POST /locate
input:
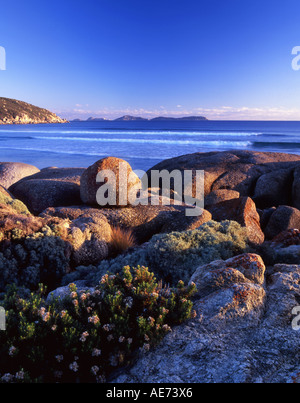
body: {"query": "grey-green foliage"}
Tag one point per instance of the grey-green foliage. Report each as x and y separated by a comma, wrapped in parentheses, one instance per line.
(15, 204)
(176, 255)
(38, 258)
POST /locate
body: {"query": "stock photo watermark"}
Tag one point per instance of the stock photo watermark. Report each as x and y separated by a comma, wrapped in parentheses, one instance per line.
(296, 319)
(296, 59)
(2, 58)
(181, 187)
(2, 319)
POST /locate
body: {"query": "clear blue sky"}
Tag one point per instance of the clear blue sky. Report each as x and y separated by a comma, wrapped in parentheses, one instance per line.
(224, 59)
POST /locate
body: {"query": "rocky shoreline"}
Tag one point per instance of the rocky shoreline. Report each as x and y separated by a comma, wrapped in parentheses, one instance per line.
(243, 254)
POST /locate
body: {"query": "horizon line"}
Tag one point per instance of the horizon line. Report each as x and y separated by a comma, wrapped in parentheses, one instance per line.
(94, 118)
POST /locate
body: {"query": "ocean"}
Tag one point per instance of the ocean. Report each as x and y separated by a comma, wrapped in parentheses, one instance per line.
(142, 143)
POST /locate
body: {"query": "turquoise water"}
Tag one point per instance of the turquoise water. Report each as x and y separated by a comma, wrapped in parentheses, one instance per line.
(142, 144)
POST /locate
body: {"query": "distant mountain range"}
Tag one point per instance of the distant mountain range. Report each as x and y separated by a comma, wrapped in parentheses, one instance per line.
(13, 111)
(127, 118)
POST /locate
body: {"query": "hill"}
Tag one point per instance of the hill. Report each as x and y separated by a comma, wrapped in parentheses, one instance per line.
(13, 111)
(129, 118)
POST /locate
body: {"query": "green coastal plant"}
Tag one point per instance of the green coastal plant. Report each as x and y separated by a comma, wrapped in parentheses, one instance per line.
(175, 255)
(15, 204)
(27, 261)
(87, 335)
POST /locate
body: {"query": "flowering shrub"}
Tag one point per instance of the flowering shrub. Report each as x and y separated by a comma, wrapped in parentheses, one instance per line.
(85, 336)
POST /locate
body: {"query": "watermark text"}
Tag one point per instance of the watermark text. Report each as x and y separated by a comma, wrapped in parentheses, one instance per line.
(2, 58)
(2, 318)
(165, 188)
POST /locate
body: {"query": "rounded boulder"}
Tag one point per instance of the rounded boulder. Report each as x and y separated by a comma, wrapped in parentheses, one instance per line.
(117, 178)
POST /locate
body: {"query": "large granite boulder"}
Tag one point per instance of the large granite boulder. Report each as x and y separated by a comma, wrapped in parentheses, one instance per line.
(220, 195)
(51, 187)
(242, 210)
(287, 238)
(232, 170)
(125, 181)
(274, 188)
(282, 219)
(90, 239)
(12, 172)
(296, 189)
(216, 275)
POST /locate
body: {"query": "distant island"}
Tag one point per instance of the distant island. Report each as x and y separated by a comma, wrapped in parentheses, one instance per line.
(13, 111)
(127, 118)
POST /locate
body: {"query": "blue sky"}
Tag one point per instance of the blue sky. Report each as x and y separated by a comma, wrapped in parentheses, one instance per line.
(222, 59)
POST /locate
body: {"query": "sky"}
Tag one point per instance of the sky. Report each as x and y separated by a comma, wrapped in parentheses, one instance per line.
(106, 58)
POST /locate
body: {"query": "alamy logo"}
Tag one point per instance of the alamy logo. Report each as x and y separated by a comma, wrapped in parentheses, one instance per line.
(166, 188)
(296, 59)
(2, 58)
(296, 319)
(2, 318)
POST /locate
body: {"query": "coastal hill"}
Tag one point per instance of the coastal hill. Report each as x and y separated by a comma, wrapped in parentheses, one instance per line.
(128, 118)
(13, 111)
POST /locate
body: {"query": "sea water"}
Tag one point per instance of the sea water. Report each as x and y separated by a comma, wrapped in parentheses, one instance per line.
(142, 143)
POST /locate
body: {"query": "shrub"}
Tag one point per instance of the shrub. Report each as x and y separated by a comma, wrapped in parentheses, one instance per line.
(40, 257)
(15, 204)
(175, 255)
(84, 337)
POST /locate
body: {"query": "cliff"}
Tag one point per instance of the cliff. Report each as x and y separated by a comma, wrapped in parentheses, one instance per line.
(18, 112)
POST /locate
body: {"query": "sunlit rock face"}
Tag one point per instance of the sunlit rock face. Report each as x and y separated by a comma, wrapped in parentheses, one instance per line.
(13, 111)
